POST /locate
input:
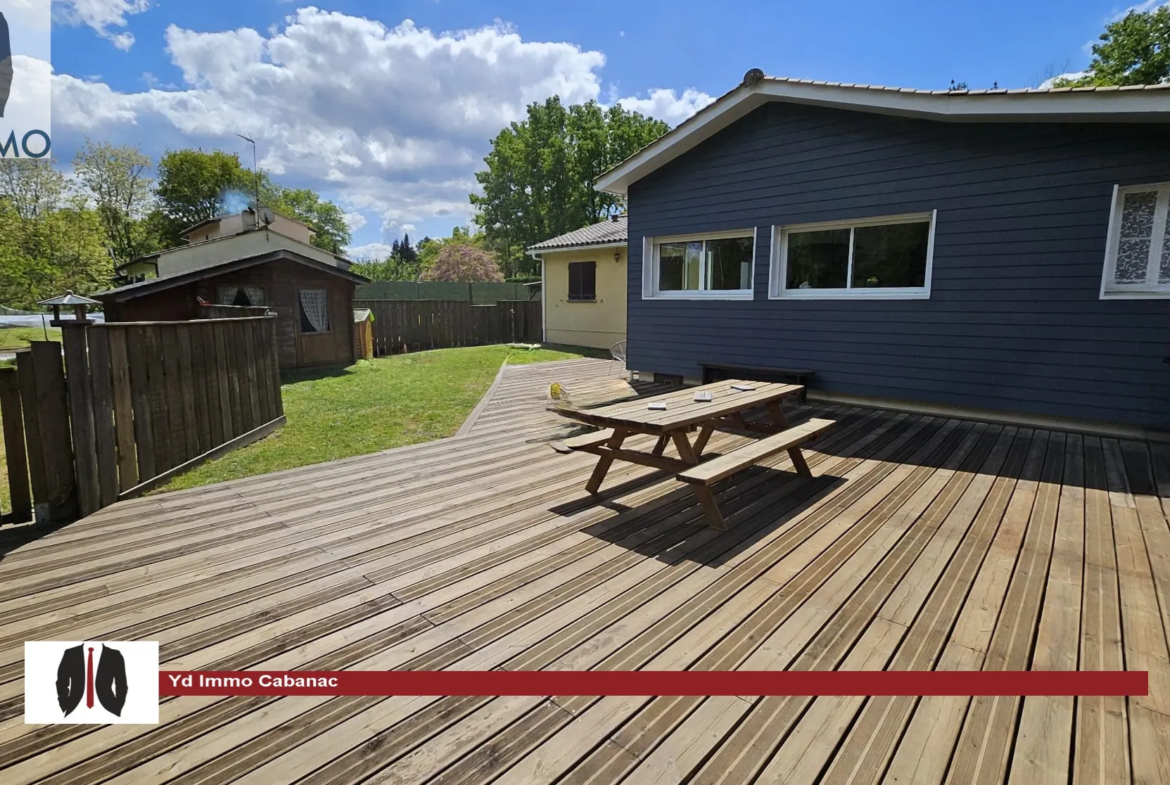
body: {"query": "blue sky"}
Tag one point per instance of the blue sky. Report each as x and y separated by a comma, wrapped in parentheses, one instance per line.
(391, 119)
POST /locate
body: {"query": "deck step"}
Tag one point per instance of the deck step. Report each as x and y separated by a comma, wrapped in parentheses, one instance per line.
(714, 470)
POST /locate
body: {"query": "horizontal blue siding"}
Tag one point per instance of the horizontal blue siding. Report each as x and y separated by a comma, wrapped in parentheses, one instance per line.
(1014, 322)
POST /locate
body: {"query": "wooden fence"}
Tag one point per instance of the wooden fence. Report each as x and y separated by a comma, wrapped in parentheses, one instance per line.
(133, 405)
(416, 325)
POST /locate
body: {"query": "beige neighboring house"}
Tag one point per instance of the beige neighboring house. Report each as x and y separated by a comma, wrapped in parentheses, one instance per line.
(583, 285)
(279, 230)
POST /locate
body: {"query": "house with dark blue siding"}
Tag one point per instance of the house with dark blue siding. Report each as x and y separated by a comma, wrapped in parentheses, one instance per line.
(1001, 254)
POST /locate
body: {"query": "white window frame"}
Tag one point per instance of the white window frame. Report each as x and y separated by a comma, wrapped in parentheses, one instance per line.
(650, 289)
(778, 273)
(1151, 289)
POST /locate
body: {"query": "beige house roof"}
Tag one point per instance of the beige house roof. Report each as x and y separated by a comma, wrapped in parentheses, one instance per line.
(611, 231)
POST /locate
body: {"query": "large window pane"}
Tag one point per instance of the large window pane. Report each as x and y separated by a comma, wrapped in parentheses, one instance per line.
(891, 256)
(679, 265)
(818, 260)
(729, 263)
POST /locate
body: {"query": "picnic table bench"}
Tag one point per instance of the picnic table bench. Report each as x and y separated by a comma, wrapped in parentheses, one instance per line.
(684, 414)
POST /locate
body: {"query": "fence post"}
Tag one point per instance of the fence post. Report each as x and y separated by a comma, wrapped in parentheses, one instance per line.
(77, 380)
(105, 438)
(270, 328)
(52, 418)
(14, 450)
(37, 476)
(124, 424)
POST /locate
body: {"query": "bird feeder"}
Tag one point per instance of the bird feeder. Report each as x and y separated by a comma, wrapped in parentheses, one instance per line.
(79, 304)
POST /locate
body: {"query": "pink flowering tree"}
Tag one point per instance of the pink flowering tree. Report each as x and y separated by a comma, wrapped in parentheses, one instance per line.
(463, 264)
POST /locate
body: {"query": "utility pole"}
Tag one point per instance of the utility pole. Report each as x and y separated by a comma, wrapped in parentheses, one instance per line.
(256, 176)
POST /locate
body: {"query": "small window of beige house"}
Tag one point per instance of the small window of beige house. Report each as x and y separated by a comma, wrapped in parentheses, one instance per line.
(314, 310)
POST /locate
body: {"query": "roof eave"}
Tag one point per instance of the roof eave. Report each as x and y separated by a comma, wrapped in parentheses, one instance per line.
(587, 247)
(998, 106)
(142, 288)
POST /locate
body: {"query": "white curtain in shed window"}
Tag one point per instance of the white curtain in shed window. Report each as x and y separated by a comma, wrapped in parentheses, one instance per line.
(255, 295)
(315, 306)
(227, 295)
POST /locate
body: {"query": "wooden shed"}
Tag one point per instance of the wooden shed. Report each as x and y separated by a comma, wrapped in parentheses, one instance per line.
(363, 334)
(312, 299)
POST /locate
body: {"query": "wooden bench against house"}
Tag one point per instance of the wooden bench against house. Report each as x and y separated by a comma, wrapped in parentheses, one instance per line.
(706, 474)
(715, 372)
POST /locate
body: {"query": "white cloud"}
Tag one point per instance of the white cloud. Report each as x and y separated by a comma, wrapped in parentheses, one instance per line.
(394, 120)
(1048, 83)
(101, 15)
(367, 251)
(355, 221)
(408, 228)
(1140, 8)
(666, 105)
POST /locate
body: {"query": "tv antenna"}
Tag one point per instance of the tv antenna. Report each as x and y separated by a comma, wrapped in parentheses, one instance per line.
(256, 176)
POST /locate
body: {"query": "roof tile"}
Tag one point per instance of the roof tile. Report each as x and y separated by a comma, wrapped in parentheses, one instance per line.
(605, 232)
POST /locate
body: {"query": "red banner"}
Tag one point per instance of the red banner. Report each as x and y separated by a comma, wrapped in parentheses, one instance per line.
(652, 683)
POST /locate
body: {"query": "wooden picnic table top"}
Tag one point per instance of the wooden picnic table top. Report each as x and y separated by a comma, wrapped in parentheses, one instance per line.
(682, 410)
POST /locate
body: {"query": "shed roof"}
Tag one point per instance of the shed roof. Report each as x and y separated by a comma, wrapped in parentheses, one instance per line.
(133, 290)
(611, 231)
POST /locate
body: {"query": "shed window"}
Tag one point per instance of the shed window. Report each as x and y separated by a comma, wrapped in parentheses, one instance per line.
(314, 310)
(1137, 256)
(582, 281)
(241, 295)
(878, 257)
(717, 265)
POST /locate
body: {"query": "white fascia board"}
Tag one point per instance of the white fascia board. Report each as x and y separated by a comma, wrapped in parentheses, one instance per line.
(542, 251)
(1005, 106)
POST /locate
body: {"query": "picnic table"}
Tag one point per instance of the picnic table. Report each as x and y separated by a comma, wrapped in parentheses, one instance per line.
(684, 414)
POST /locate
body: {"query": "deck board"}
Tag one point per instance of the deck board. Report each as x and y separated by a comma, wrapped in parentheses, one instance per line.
(922, 542)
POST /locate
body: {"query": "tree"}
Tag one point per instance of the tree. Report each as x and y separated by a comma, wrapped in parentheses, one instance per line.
(117, 181)
(406, 253)
(401, 265)
(31, 187)
(429, 249)
(463, 264)
(303, 204)
(60, 246)
(192, 185)
(1134, 50)
(540, 172)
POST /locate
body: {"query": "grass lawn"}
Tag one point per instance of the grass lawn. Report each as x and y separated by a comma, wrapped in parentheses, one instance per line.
(18, 337)
(371, 406)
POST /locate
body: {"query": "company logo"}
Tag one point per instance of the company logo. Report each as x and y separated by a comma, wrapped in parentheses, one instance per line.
(91, 682)
(25, 74)
(5, 63)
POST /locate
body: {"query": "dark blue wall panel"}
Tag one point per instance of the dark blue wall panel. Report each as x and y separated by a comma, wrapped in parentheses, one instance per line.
(1014, 321)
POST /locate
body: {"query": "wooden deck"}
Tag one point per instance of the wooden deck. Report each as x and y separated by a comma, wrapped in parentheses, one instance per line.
(922, 543)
